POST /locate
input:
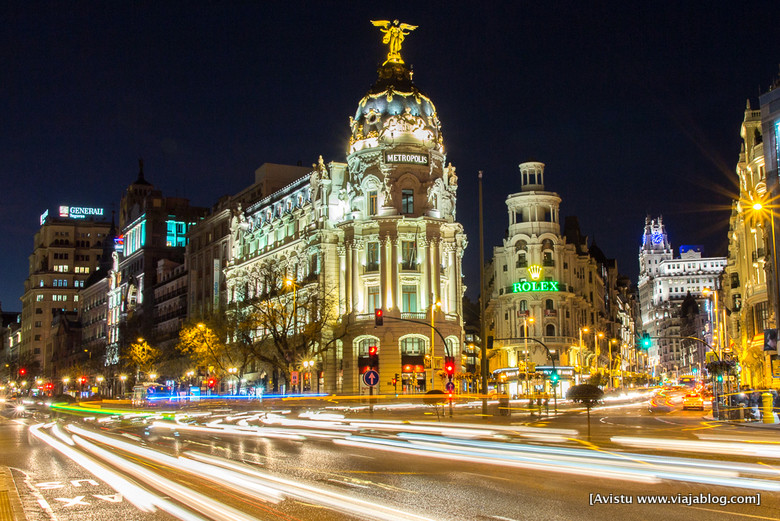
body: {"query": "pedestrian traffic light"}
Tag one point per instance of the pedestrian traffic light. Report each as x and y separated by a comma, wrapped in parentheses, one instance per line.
(645, 341)
(554, 378)
(373, 357)
(378, 317)
(449, 366)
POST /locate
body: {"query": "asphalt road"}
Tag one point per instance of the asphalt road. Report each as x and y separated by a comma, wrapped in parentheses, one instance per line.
(351, 468)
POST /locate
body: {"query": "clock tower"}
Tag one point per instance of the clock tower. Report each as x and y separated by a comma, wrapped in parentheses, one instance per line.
(655, 248)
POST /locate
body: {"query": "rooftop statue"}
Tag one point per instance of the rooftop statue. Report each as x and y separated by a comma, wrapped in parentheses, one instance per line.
(394, 36)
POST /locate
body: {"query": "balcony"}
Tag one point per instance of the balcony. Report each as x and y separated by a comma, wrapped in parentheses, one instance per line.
(414, 315)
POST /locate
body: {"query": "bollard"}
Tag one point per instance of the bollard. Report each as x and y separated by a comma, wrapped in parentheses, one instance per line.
(766, 409)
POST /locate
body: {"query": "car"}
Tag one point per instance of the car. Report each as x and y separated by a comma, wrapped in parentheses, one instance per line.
(693, 401)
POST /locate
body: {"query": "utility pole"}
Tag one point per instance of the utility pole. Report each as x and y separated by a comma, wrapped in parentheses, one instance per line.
(482, 303)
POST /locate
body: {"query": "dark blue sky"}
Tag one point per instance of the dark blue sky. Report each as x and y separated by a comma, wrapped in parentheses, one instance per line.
(635, 107)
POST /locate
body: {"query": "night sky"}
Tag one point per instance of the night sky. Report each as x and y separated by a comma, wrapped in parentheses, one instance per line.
(635, 108)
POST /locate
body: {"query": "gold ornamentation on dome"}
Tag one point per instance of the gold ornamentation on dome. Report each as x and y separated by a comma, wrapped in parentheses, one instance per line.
(535, 271)
(394, 36)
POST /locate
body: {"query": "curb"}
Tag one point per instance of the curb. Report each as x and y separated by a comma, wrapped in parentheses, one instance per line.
(754, 425)
(10, 502)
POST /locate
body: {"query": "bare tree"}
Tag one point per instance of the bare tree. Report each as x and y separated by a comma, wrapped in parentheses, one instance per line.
(289, 321)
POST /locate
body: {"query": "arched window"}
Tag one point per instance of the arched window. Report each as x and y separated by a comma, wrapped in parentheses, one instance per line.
(523, 305)
(413, 346)
(452, 346)
(364, 344)
(549, 330)
(548, 305)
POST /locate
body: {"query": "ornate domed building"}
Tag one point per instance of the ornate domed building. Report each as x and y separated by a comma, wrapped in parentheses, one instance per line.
(376, 232)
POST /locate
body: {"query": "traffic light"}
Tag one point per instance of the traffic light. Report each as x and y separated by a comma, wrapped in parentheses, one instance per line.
(378, 317)
(646, 342)
(212, 382)
(720, 378)
(373, 356)
(449, 366)
(394, 381)
(490, 342)
(554, 378)
(22, 371)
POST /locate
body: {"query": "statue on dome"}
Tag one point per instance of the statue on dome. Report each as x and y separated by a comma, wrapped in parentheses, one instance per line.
(394, 35)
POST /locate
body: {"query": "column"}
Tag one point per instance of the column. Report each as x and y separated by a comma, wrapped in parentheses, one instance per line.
(425, 291)
(435, 270)
(383, 260)
(394, 282)
(452, 275)
(355, 277)
(344, 286)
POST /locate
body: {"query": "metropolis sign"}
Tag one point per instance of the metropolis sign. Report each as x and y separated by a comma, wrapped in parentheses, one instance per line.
(542, 285)
(409, 159)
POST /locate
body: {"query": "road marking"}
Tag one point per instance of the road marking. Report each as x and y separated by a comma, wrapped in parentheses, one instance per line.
(706, 426)
(77, 482)
(69, 502)
(111, 498)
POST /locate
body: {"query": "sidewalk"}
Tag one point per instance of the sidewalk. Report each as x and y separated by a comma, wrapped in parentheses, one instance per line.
(742, 423)
(10, 502)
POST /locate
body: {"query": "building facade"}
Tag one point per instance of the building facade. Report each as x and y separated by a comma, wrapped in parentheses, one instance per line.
(378, 231)
(67, 249)
(551, 296)
(664, 282)
(748, 280)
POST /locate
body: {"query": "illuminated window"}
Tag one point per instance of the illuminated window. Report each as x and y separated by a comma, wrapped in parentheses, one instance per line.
(409, 298)
(407, 201)
(372, 256)
(408, 255)
(372, 203)
(374, 300)
(175, 234)
(38, 298)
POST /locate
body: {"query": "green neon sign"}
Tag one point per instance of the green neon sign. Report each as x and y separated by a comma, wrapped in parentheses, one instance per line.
(542, 285)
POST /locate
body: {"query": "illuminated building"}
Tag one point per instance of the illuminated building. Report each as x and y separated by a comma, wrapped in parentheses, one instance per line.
(375, 232)
(67, 249)
(748, 278)
(554, 284)
(209, 247)
(770, 132)
(664, 282)
(152, 228)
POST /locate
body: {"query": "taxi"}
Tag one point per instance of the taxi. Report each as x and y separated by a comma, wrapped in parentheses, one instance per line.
(693, 401)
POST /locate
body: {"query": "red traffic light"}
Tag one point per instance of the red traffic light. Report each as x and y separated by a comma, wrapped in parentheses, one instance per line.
(212, 382)
(373, 350)
(22, 371)
(378, 317)
(449, 366)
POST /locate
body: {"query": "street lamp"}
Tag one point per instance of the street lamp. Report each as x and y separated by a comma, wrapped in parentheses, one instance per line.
(434, 306)
(611, 379)
(527, 319)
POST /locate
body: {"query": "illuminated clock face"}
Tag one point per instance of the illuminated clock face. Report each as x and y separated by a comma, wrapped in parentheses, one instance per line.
(657, 238)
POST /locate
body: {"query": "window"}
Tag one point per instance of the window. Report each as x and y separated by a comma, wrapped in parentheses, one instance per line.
(408, 255)
(550, 330)
(38, 298)
(372, 256)
(38, 323)
(548, 305)
(364, 344)
(414, 346)
(523, 305)
(374, 300)
(407, 201)
(372, 202)
(409, 298)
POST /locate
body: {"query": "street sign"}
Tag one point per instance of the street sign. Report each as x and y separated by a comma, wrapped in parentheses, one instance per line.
(371, 378)
(449, 387)
(294, 378)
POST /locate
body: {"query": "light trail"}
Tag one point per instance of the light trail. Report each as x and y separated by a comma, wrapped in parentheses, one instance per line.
(720, 447)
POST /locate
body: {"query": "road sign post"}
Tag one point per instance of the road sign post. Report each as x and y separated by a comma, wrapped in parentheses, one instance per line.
(371, 378)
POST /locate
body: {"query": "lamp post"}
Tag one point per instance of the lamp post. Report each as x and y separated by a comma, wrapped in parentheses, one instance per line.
(611, 379)
(527, 319)
(434, 307)
(583, 329)
(596, 349)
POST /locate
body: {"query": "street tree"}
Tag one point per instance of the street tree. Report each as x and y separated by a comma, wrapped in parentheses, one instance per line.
(223, 343)
(143, 356)
(290, 321)
(586, 394)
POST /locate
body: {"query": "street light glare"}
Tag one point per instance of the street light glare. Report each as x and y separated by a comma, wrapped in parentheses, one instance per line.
(758, 206)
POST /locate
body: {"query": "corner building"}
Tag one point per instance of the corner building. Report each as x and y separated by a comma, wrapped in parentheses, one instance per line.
(377, 232)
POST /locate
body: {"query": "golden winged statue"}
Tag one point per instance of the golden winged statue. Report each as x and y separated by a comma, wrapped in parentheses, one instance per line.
(394, 36)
